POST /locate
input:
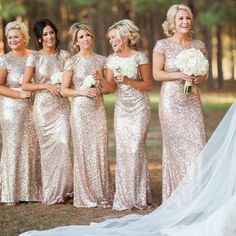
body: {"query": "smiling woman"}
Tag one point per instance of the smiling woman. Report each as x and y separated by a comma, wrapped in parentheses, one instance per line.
(51, 113)
(92, 186)
(20, 159)
(129, 71)
(181, 114)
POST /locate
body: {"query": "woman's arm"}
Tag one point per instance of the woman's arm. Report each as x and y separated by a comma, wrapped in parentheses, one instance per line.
(108, 84)
(146, 83)
(67, 91)
(161, 75)
(7, 92)
(29, 86)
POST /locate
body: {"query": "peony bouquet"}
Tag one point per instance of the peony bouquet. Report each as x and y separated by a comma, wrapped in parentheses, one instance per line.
(123, 67)
(191, 62)
(89, 82)
(56, 78)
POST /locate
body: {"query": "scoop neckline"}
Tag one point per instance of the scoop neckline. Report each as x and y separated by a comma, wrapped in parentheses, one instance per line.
(50, 55)
(127, 56)
(187, 45)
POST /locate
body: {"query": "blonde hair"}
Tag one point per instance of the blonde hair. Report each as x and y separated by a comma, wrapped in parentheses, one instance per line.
(169, 24)
(16, 25)
(126, 29)
(74, 29)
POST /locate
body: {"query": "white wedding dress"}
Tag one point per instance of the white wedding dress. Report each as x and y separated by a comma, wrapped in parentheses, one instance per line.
(204, 204)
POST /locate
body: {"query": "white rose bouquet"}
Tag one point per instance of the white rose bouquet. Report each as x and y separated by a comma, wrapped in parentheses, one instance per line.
(122, 67)
(56, 78)
(89, 82)
(191, 62)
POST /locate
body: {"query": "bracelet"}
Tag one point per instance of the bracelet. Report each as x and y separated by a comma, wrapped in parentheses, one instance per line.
(37, 87)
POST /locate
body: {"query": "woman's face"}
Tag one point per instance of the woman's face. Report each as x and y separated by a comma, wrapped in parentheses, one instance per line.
(84, 40)
(48, 37)
(183, 22)
(15, 39)
(116, 42)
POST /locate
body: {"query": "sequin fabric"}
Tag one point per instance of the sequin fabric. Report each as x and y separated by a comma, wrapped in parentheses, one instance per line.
(20, 159)
(92, 186)
(181, 119)
(51, 117)
(131, 122)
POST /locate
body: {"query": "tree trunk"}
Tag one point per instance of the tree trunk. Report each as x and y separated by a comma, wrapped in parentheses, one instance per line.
(219, 56)
(209, 49)
(232, 48)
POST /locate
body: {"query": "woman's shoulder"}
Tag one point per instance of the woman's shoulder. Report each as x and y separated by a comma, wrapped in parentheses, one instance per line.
(161, 45)
(3, 61)
(64, 52)
(141, 57)
(198, 42)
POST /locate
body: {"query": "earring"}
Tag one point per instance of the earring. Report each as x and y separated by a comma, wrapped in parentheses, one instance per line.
(40, 41)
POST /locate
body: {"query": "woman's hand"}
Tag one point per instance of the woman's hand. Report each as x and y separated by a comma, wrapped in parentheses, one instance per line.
(97, 75)
(198, 79)
(90, 92)
(184, 77)
(24, 94)
(53, 89)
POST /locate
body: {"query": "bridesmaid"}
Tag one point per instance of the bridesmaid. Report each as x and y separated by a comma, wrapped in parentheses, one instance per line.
(181, 114)
(132, 115)
(88, 121)
(20, 160)
(51, 113)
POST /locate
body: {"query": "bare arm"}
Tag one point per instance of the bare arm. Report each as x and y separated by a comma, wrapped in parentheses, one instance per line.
(161, 75)
(29, 86)
(158, 69)
(7, 92)
(67, 91)
(146, 83)
(106, 79)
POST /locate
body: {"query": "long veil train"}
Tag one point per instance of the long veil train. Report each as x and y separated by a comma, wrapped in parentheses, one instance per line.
(203, 204)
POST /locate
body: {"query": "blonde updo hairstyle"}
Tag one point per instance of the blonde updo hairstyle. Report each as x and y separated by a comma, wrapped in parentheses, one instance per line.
(126, 29)
(169, 24)
(16, 25)
(74, 29)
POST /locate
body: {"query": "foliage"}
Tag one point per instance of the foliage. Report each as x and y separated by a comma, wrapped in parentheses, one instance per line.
(11, 8)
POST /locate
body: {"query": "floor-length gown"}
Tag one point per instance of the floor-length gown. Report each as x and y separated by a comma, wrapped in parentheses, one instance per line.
(51, 117)
(20, 159)
(204, 203)
(131, 122)
(92, 186)
(181, 119)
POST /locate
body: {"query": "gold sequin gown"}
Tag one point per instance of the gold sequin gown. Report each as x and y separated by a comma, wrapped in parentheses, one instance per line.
(90, 138)
(181, 119)
(131, 122)
(20, 159)
(51, 117)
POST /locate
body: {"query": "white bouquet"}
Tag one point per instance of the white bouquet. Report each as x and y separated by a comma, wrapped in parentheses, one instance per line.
(123, 67)
(89, 82)
(56, 78)
(191, 62)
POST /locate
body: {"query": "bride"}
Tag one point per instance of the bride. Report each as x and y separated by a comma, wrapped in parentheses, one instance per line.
(203, 204)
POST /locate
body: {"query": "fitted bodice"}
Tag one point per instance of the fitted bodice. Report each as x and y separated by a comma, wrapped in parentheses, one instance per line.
(15, 66)
(46, 65)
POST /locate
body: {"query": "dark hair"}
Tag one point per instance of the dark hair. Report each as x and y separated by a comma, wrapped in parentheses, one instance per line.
(38, 30)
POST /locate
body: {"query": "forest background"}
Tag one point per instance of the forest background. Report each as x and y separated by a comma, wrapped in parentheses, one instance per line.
(215, 24)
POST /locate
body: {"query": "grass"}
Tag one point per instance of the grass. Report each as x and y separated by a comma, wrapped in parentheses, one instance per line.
(27, 216)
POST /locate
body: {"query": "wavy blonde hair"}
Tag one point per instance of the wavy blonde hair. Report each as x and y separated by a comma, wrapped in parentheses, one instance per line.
(74, 29)
(126, 29)
(169, 24)
(16, 25)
